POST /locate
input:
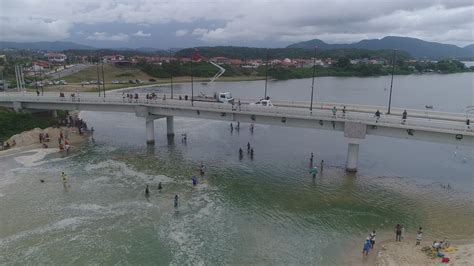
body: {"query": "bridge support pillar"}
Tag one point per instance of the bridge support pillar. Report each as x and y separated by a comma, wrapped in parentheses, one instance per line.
(54, 114)
(355, 132)
(352, 157)
(170, 126)
(150, 131)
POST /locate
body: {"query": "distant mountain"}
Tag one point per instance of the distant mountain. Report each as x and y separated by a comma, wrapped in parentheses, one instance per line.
(415, 47)
(470, 50)
(46, 46)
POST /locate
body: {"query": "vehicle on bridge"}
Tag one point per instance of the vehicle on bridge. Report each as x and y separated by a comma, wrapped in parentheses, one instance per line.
(263, 103)
(222, 97)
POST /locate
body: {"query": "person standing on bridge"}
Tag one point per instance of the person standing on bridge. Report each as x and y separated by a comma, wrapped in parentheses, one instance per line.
(239, 104)
(468, 123)
(334, 111)
(377, 115)
(344, 111)
(404, 116)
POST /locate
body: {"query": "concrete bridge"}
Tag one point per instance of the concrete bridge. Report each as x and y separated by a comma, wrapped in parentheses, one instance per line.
(356, 123)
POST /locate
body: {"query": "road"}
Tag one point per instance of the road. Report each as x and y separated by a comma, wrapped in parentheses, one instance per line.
(69, 71)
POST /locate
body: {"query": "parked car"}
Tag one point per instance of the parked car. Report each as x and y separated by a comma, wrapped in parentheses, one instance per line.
(263, 103)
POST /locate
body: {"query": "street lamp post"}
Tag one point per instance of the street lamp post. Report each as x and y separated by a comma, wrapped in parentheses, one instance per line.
(312, 83)
(391, 82)
(98, 78)
(103, 77)
(192, 81)
(266, 76)
(171, 74)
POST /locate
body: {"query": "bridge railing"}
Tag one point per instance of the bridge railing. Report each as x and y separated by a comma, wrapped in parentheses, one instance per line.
(323, 114)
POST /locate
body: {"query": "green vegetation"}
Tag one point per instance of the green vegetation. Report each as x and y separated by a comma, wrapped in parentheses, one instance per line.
(281, 53)
(13, 123)
(111, 73)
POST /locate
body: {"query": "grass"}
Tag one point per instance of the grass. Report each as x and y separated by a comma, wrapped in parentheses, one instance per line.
(111, 73)
(13, 123)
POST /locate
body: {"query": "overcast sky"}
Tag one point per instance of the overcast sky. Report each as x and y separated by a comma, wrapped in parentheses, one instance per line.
(261, 23)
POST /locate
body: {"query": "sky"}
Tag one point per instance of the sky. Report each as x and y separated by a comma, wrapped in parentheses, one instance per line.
(259, 23)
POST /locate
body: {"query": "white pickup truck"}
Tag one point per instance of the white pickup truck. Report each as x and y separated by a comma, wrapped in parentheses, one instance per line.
(222, 97)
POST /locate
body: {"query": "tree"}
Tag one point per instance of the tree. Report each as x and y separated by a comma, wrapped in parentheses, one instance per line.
(343, 62)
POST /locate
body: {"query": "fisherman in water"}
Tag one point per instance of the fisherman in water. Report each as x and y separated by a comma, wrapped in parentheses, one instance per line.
(176, 201)
(147, 191)
(202, 169)
(195, 182)
(314, 171)
(64, 177)
(160, 187)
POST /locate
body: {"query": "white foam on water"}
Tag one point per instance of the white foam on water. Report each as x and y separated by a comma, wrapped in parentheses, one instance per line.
(186, 234)
(33, 160)
(68, 223)
(121, 169)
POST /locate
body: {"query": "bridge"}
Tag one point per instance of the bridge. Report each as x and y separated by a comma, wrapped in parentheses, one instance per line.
(357, 122)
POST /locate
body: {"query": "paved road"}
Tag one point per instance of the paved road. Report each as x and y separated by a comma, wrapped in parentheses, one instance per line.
(66, 72)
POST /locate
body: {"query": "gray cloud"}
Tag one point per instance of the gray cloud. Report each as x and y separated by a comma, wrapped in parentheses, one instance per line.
(246, 22)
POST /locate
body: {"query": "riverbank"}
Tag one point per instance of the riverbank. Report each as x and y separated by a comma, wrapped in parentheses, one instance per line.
(29, 140)
(406, 253)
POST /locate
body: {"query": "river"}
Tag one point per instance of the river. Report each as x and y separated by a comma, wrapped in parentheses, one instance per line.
(260, 210)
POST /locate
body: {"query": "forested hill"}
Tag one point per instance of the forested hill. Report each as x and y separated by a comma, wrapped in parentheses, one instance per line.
(415, 47)
(281, 53)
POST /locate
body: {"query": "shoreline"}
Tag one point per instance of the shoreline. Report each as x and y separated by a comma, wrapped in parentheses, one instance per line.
(29, 140)
(387, 251)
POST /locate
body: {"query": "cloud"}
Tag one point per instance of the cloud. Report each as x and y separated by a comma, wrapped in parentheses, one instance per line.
(103, 36)
(200, 32)
(180, 33)
(141, 34)
(247, 21)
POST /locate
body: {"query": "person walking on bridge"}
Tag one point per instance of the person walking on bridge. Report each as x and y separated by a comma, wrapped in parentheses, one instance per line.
(377, 115)
(404, 116)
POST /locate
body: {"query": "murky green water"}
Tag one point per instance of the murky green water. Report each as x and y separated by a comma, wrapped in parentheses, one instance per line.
(265, 210)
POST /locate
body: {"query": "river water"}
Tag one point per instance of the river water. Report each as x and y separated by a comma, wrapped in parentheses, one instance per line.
(260, 210)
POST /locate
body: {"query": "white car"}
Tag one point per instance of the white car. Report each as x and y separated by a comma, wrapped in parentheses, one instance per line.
(263, 103)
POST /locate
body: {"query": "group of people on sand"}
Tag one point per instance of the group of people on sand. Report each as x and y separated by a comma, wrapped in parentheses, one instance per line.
(7, 145)
(314, 169)
(399, 233)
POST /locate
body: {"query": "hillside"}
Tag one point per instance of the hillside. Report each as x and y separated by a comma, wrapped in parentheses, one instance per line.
(415, 47)
(281, 53)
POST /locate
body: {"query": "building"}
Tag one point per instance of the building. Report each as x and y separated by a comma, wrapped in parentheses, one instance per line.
(40, 65)
(220, 60)
(113, 58)
(56, 57)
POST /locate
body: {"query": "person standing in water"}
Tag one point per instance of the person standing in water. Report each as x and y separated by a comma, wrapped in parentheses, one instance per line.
(251, 153)
(314, 171)
(241, 153)
(147, 191)
(248, 147)
(160, 187)
(321, 167)
(202, 169)
(176, 198)
(311, 158)
(365, 250)
(231, 127)
(194, 180)
(372, 239)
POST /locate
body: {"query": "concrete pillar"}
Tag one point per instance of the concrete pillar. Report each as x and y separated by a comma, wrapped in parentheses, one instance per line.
(170, 126)
(54, 114)
(150, 131)
(352, 157)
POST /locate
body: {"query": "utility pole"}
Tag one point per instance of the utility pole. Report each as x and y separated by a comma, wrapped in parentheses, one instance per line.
(266, 76)
(171, 74)
(391, 82)
(312, 84)
(98, 78)
(192, 82)
(103, 77)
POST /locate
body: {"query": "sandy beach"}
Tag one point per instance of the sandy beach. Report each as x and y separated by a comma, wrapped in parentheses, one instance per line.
(406, 253)
(29, 140)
